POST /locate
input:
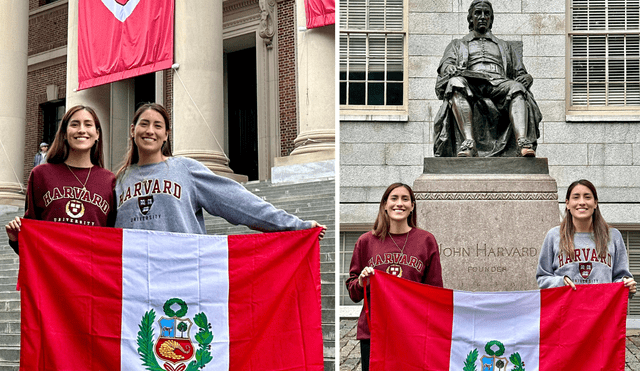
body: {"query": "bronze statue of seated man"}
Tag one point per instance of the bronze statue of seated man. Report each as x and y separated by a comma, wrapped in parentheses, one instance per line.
(487, 107)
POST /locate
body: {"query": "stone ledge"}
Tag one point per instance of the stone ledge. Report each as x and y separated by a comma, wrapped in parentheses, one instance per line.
(486, 165)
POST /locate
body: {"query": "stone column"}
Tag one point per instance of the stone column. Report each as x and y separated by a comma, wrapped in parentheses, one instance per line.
(316, 87)
(98, 98)
(14, 26)
(199, 53)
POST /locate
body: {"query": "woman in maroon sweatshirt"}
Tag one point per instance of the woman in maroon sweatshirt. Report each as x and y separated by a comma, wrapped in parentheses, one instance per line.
(395, 245)
(72, 186)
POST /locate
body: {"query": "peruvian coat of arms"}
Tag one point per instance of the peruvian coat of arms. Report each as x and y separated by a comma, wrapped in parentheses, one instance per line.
(493, 360)
(174, 345)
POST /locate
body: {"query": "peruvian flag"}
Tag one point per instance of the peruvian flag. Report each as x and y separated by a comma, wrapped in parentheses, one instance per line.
(98, 298)
(420, 327)
(119, 39)
(320, 12)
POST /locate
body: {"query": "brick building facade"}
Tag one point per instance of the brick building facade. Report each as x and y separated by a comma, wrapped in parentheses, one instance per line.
(287, 77)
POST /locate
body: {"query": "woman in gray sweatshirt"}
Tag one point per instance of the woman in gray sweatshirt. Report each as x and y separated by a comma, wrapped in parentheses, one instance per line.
(583, 249)
(156, 191)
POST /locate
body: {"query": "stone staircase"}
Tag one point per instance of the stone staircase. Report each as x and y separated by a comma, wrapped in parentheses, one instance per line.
(309, 201)
(9, 297)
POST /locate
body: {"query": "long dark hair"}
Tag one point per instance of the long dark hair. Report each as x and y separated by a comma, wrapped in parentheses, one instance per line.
(600, 227)
(381, 225)
(472, 7)
(132, 156)
(59, 151)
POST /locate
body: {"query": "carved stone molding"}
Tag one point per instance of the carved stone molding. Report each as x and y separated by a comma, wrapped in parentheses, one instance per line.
(237, 5)
(241, 21)
(486, 196)
(267, 27)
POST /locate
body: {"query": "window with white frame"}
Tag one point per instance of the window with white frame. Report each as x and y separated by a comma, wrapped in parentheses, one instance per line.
(604, 38)
(372, 53)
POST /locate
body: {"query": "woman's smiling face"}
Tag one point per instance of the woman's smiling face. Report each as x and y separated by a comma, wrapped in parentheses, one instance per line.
(399, 205)
(581, 203)
(150, 133)
(81, 131)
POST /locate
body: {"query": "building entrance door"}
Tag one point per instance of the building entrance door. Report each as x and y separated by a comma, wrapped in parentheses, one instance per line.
(242, 112)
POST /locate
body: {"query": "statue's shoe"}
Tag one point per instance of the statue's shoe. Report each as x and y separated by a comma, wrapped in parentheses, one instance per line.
(468, 149)
(526, 147)
(526, 152)
(466, 153)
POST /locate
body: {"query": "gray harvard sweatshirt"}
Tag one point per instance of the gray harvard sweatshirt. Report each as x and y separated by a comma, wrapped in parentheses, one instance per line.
(170, 196)
(585, 266)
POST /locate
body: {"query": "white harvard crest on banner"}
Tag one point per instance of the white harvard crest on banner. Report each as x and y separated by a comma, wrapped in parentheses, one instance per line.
(121, 9)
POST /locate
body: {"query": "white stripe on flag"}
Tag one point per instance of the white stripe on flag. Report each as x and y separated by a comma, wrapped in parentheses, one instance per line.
(512, 318)
(158, 266)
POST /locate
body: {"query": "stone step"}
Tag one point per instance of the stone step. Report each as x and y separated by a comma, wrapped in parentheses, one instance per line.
(297, 208)
(315, 200)
(11, 327)
(10, 366)
(303, 212)
(10, 305)
(9, 354)
(12, 273)
(12, 340)
(10, 255)
(288, 189)
(10, 316)
(326, 216)
(9, 280)
(316, 204)
(296, 199)
(9, 267)
(7, 251)
(13, 294)
(218, 223)
(8, 287)
(276, 194)
(9, 260)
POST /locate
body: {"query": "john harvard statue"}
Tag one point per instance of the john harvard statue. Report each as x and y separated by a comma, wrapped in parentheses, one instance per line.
(487, 107)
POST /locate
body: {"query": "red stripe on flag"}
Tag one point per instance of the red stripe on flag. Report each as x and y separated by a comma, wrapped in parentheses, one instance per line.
(401, 328)
(583, 329)
(275, 332)
(81, 331)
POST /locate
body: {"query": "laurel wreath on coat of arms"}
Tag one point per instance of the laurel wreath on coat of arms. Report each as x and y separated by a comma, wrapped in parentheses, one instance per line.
(472, 357)
(146, 336)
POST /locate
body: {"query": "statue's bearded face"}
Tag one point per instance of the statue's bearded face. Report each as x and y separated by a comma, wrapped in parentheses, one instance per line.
(482, 17)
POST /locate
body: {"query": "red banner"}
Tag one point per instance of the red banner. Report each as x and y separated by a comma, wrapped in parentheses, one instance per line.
(119, 39)
(320, 12)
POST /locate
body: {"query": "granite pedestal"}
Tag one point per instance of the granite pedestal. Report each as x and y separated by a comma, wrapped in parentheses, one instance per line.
(489, 216)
